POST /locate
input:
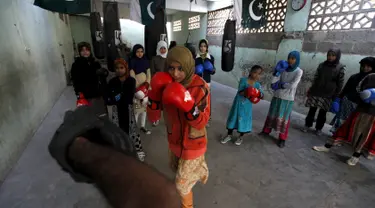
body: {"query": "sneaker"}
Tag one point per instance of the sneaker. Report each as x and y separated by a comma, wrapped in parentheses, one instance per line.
(226, 139)
(156, 123)
(352, 161)
(208, 125)
(369, 156)
(333, 130)
(146, 131)
(141, 156)
(239, 141)
(321, 148)
(305, 129)
(318, 132)
(281, 143)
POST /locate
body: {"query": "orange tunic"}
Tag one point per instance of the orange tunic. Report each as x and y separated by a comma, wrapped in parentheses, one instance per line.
(188, 138)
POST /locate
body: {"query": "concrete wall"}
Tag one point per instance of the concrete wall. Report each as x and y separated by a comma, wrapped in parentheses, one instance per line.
(182, 35)
(265, 49)
(36, 52)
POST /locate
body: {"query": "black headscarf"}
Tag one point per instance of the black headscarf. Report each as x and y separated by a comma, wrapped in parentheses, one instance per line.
(370, 61)
(337, 52)
(139, 65)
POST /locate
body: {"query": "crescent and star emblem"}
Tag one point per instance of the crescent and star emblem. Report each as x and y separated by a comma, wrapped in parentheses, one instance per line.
(149, 10)
(251, 11)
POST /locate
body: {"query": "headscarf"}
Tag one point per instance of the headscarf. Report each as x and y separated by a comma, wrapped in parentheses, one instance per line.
(183, 56)
(370, 61)
(337, 52)
(296, 55)
(88, 46)
(172, 44)
(203, 55)
(162, 44)
(139, 65)
(125, 64)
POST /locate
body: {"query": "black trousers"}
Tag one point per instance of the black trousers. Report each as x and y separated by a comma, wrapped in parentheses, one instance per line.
(320, 121)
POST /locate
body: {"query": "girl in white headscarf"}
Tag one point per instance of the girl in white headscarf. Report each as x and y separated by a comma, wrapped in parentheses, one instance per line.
(158, 61)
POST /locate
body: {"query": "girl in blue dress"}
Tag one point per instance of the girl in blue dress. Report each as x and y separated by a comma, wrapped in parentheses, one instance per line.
(240, 116)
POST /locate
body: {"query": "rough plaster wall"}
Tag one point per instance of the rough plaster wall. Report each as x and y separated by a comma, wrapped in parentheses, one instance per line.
(182, 35)
(80, 27)
(32, 72)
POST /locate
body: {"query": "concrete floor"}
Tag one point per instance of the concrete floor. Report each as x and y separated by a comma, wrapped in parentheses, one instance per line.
(256, 174)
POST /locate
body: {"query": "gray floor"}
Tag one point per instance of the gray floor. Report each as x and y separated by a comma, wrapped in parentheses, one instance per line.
(256, 174)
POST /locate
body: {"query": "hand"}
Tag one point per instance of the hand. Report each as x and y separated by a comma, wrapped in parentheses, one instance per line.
(158, 83)
(252, 92)
(199, 69)
(85, 122)
(285, 86)
(335, 107)
(175, 94)
(281, 66)
(276, 86)
(118, 97)
(368, 95)
(207, 65)
(254, 100)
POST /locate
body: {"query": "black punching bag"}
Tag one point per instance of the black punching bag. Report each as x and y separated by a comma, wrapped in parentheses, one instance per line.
(96, 28)
(229, 45)
(112, 32)
(153, 32)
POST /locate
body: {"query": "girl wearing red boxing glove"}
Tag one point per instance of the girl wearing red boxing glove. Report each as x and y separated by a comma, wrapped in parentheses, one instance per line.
(240, 116)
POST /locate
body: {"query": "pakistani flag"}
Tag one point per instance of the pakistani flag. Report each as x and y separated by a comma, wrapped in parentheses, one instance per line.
(253, 13)
(149, 8)
(65, 6)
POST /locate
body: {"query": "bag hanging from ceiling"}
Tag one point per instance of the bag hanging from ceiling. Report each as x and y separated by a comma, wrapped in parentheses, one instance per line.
(229, 45)
(64, 6)
(112, 32)
(154, 33)
(97, 38)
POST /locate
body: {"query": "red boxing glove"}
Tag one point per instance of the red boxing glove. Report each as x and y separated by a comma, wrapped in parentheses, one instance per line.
(142, 91)
(81, 101)
(175, 94)
(158, 83)
(252, 92)
(254, 100)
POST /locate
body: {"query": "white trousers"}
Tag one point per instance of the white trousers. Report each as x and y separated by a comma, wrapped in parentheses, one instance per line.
(140, 118)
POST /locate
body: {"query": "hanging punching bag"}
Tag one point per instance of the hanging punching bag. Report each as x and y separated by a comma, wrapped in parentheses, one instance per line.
(112, 32)
(96, 28)
(229, 45)
(153, 33)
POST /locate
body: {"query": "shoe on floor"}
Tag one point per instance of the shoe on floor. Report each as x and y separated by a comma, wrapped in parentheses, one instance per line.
(156, 123)
(321, 148)
(146, 131)
(226, 139)
(305, 129)
(208, 125)
(352, 161)
(239, 141)
(141, 156)
(281, 143)
(318, 132)
(369, 156)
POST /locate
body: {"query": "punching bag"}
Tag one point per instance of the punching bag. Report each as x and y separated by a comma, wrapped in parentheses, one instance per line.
(96, 28)
(229, 45)
(153, 33)
(112, 32)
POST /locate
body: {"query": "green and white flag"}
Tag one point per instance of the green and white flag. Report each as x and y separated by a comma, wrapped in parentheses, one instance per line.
(149, 8)
(254, 13)
(65, 6)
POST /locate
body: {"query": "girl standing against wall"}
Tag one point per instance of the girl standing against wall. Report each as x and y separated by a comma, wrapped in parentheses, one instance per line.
(327, 84)
(285, 87)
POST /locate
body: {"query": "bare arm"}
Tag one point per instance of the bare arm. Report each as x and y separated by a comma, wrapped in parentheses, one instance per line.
(125, 181)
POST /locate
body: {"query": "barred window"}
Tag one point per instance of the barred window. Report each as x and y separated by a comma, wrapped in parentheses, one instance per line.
(177, 26)
(275, 14)
(341, 15)
(194, 22)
